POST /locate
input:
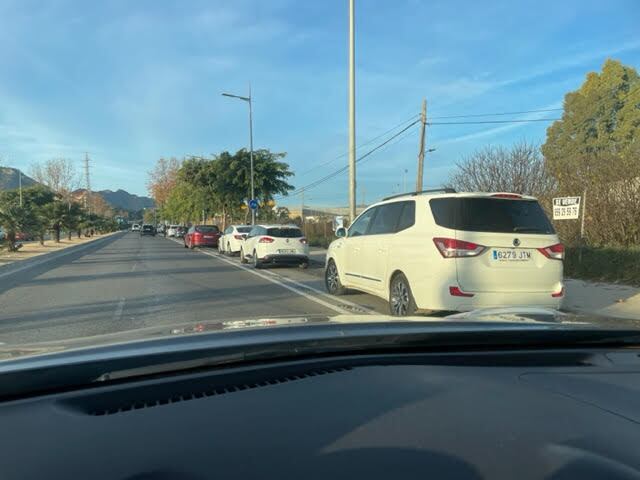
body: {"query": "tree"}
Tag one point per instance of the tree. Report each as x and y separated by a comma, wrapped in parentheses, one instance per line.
(518, 169)
(595, 148)
(29, 217)
(223, 183)
(59, 174)
(162, 179)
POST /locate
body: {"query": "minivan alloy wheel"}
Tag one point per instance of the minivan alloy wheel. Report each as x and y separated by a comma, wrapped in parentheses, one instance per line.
(401, 301)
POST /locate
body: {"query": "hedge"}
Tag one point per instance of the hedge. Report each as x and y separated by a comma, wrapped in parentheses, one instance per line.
(606, 264)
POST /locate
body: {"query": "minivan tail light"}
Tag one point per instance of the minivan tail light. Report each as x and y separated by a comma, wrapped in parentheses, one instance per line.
(266, 240)
(303, 240)
(555, 252)
(452, 248)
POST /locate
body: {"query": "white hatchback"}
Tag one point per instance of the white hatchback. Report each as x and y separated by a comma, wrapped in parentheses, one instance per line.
(172, 230)
(233, 238)
(450, 251)
(275, 244)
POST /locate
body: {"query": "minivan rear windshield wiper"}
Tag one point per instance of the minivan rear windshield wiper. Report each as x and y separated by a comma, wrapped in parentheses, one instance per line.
(529, 230)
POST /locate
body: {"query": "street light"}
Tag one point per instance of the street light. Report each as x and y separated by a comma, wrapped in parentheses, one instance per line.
(248, 100)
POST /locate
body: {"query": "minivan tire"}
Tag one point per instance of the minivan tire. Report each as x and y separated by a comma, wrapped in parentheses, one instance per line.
(401, 301)
(332, 280)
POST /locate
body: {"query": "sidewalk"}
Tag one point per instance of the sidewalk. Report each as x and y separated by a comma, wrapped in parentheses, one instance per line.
(607, 299)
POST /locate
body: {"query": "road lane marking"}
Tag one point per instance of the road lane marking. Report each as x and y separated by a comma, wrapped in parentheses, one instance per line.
(282, 281)
(117, 314)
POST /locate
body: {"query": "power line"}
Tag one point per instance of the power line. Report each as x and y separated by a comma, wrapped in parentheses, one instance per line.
(342, 155)
(345, 168)
(472, 122)
(500, 113)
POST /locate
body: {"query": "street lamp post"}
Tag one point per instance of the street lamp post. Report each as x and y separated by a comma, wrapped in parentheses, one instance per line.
(248, 100)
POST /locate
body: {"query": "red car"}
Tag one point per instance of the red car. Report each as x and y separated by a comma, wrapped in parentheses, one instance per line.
(202, 236)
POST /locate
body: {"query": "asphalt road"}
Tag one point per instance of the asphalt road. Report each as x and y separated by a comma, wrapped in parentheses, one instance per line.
(129, 282)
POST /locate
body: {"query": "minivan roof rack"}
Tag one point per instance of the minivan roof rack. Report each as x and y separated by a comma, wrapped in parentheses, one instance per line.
(422, 192)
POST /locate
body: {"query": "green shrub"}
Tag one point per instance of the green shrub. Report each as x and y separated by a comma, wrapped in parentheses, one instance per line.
(605, 264)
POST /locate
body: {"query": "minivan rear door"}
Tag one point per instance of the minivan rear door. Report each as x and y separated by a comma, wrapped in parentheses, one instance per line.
(511, 230)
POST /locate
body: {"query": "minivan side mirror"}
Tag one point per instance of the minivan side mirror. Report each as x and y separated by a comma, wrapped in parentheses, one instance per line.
(341, 232)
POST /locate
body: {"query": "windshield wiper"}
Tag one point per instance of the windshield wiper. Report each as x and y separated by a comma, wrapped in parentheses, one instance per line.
(529, 230)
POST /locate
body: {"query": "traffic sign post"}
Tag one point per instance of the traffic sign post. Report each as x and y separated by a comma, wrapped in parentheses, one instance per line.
(566, 208)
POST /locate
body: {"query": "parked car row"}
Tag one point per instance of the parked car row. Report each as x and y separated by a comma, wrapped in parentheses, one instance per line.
(259, 245)
(450, 251)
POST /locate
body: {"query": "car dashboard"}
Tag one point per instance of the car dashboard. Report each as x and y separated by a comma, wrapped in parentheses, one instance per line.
(560, 413)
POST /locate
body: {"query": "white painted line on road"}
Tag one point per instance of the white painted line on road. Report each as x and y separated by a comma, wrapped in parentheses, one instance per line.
(335, 308)
(118, 312)
(324, 294)
(294, 282)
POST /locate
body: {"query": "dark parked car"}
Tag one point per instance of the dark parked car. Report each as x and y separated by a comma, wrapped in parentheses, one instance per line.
(148, 230)
(181, 232)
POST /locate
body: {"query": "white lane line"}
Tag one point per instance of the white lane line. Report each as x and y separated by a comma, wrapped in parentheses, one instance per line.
(280, 283)
(355, 306)
(323, 294)
(117, 314)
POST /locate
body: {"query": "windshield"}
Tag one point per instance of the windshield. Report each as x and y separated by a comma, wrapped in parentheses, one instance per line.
(491, 215)
(185, 168)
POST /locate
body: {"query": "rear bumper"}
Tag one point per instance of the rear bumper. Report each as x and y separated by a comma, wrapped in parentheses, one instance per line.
(284, 259)
(507, 299)
(212, 243)
(148, 233)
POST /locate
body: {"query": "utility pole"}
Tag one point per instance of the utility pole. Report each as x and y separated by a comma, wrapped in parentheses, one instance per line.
(302, 211)
(253, 193)
(87, 196)
(423, 126)
(352, 113)
(20, 185)
(248, 100)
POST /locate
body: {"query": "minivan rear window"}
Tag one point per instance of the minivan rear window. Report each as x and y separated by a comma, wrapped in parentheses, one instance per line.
(491, 215)
(284, 232)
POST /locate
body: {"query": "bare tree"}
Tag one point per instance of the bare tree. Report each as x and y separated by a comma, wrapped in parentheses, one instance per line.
(59, 174)
(518, 169)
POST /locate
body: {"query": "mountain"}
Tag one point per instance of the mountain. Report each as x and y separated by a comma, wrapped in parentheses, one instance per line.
(9, 179)
(125, 200)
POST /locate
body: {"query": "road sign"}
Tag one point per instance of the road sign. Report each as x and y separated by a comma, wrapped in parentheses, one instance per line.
(253, 204)
(566, 208)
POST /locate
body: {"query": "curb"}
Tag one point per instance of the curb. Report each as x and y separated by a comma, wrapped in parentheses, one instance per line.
(21, 265)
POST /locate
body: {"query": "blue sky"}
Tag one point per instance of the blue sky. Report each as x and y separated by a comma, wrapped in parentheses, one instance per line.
(132, 81)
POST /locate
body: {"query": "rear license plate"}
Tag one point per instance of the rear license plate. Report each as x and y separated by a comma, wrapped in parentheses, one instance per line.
(208, 237)
(286, 251)
(511, 255)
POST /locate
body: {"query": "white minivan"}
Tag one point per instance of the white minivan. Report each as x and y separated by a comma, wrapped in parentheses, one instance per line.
(450, 251)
